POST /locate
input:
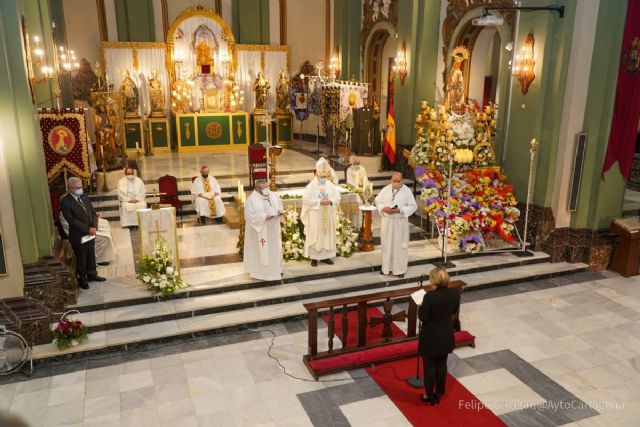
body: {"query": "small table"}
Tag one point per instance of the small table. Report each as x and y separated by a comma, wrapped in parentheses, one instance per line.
(365, 243)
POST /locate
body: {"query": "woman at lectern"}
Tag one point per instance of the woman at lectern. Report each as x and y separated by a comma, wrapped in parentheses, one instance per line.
(436, 339)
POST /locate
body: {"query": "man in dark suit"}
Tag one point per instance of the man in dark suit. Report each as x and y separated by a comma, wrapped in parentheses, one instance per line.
(436, 339)
(83, 221)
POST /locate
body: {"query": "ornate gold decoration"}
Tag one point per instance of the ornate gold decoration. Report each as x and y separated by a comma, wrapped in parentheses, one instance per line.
(523, 64)
(136, 62)
(213, 130)
(61, 139)
(82, 132)
(190, 13)
(239, 129)
(108, 126)
(262, 61)
(187, 131)
(266, 48)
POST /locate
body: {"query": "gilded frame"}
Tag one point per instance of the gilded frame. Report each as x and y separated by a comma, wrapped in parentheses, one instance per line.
(190, 13)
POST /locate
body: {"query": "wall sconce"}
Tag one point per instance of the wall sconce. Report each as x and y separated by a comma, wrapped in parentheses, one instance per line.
(334, 65)
(523, 64)
(400, 63)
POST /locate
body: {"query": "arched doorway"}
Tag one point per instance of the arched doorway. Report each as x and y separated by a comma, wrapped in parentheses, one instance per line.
(380, 50)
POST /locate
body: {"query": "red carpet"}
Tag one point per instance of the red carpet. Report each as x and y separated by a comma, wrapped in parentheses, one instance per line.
(458, 407)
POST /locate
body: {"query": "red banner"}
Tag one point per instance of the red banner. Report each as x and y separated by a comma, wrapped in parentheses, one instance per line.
(626, 110)
(64, 141)
(390, 136)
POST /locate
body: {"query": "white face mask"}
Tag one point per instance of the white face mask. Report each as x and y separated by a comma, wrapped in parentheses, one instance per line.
(356, 167)
(130, 177)
(322, 181)
(265, 191)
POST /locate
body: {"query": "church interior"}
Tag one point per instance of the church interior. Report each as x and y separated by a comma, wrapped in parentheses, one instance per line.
(320, 213)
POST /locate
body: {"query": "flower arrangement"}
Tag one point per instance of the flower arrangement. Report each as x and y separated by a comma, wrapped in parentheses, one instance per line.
(292, 237)
(157, 271)
(468, 133)
(346, 237)
(480, 203)
(68, 333)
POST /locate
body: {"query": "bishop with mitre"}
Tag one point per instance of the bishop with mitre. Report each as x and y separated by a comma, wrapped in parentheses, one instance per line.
(396, 204)
(319, 215)
(262, 240)
(333, 176)
(207, 199)
(132, 195)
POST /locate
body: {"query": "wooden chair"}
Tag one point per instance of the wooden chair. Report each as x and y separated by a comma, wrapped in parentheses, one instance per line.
(257, 163)
(168, 184)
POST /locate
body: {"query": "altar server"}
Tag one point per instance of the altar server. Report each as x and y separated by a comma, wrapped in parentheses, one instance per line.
(132, 195)
(333, 176)
(207, 199)
(357, 174)
(105, 249)
(395, 204)
(320, 202)
(262, 239)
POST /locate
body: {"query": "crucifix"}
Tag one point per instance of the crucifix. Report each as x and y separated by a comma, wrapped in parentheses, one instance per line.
(262, 242)
(157, 231)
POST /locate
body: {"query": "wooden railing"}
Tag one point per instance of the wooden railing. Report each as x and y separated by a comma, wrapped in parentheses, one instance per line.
(361, 303)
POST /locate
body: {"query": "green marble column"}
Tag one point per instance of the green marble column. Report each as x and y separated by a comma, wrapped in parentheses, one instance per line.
(346, 34)
(135, 21)
(251, 21)
(21, 141)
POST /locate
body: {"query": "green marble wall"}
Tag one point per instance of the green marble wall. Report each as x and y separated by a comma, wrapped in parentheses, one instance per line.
(251, 21)
(135, 21)
(601, 200)
(19, 133)
(347, 17)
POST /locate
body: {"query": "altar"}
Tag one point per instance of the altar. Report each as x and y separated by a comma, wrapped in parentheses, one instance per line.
(212, 131)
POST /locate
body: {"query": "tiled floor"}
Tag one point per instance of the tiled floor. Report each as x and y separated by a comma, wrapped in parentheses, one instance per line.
(564, 351)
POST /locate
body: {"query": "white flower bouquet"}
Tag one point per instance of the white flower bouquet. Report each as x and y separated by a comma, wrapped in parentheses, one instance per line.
(346, 237)
(292, 238)
(157, 271)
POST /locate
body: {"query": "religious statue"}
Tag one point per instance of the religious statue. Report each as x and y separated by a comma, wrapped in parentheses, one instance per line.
(100, 85)
(156, 95)
(130, 91)
(282, 93)
(204, 60)
(456, 84)
(261, 88)
(106, 144)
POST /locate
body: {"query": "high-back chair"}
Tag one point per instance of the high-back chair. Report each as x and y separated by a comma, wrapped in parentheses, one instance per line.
(257, 163)
(168, 184)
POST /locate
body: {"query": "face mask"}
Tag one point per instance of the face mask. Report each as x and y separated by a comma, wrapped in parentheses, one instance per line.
(130, 177)
(322, 181)
(205, 175)
(265, 191)
(356, 167)
(78, 192)
(396, 185)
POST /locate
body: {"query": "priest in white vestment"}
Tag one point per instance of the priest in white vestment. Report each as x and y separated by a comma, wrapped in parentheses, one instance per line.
(396, 204)
(132, 195)
(105, 250)
(207, 197)
(333, 176)
(320, 202)
(357, 175)
(262, 239)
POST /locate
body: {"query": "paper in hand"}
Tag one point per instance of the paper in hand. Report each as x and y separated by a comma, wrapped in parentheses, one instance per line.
(418, 296)
(86, 239)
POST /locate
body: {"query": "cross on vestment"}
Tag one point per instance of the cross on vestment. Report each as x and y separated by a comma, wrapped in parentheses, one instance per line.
(262, 242)
(158, 231)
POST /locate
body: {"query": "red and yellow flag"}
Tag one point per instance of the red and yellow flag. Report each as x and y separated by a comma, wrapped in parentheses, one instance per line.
(390, 136)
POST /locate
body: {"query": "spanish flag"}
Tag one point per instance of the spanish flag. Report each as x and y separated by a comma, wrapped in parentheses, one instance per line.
(390, 136)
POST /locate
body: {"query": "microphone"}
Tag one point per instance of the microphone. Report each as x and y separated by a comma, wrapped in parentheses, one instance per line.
(421, 280)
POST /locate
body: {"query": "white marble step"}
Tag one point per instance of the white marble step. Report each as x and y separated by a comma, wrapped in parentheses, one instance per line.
(302, 289)
(218, 277)
(265, 314)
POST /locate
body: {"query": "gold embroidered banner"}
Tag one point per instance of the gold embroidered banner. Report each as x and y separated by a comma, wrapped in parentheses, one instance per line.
(64, 141)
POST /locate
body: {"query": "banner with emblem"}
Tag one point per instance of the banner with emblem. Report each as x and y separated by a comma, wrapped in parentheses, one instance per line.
(64, 141)
(298, 99)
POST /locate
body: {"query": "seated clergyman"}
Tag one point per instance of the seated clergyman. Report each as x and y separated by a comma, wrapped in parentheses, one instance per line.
(132, 195)
(207, 197)
(357, 174)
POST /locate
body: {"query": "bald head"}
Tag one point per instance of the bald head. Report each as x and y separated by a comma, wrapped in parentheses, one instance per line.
(204, 171)
(396, 180)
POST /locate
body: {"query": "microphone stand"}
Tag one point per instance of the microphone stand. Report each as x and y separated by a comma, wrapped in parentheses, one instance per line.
(417, 381)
